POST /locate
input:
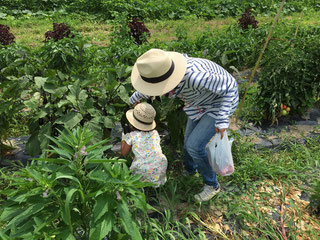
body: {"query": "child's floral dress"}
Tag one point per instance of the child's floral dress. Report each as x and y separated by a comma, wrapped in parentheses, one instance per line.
(149, 161)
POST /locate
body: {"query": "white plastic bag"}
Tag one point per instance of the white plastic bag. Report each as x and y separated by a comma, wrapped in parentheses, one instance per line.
(220, 156)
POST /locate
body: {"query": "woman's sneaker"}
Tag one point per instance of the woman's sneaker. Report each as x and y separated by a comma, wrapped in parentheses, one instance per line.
(207, 193)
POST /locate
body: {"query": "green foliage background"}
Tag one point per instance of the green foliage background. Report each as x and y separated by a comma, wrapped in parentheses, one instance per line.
(73, 82)
(154, 9)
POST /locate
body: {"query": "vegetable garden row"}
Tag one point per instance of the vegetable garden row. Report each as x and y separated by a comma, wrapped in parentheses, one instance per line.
(71, 93)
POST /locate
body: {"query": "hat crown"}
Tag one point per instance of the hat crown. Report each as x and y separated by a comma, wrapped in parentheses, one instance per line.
(144, 112)
(154, 63)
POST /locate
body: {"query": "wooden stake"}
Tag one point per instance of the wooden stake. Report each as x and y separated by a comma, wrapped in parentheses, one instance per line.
(260, 57)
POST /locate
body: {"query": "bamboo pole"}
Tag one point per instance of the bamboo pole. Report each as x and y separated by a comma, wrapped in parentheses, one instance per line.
(260, 57)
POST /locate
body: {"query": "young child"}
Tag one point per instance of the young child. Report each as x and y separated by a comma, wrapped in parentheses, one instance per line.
(144, 141)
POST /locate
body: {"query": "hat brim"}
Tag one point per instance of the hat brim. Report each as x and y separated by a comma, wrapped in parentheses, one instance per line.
(158, 89)
(138, 125)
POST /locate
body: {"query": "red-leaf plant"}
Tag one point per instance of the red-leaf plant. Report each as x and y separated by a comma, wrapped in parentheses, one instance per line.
(6, 37)
(137, 29)
(247, 19)
(60, 31)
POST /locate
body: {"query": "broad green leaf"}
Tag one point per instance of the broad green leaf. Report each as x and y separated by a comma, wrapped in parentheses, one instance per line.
(98, 176)
(102, 227)
(87, 45)
(60, 91)
(4, 236)
(44, 130)
(120, 71)
(33, 145)
(123, 93)
(25, 94)
(111, 110)
(41, 114)
(35, 174)
(24, 230)
(75, 88)
(94, 126)
(89, 104)
(70, 120)
(18, 62)
(61, 152)
(98, 153)
(128, 223)
(66, 216)
(69, 140)
(61, 75)
(63, 145)
(94, 146)
(22, 197)
(139, 199)
(108, 122)
(69, 177)
(62, 103)
(49, 87)
(101, 206)
(110, 82)
(40, 223)
(40, 81)
(66, 234)
(95, 113)
(82, 98)
(71, 135)
(224, 59)
(73, 100)
(128, 69)
(10, 212)
(32, 103)
(24, 216)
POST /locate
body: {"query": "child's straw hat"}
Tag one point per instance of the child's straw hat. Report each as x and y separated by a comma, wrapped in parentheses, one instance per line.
(142, 117)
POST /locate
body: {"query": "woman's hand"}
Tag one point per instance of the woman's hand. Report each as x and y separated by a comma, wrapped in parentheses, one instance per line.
(221, 131)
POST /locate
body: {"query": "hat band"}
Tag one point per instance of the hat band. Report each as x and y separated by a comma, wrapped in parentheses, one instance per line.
(141, 121)
(160, 78)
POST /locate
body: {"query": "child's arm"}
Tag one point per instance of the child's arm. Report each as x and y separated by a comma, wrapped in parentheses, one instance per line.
(125, 148)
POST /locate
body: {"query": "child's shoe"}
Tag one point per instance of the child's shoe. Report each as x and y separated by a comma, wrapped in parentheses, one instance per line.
(207, 193)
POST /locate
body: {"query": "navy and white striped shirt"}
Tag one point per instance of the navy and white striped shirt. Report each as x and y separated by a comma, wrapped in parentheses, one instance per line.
(206, 88)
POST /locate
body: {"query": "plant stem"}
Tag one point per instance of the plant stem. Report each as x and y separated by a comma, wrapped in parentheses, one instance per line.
(114, 91)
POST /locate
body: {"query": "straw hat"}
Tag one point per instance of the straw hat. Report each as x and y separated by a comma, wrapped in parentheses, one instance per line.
(142, 116)
(157, 72)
